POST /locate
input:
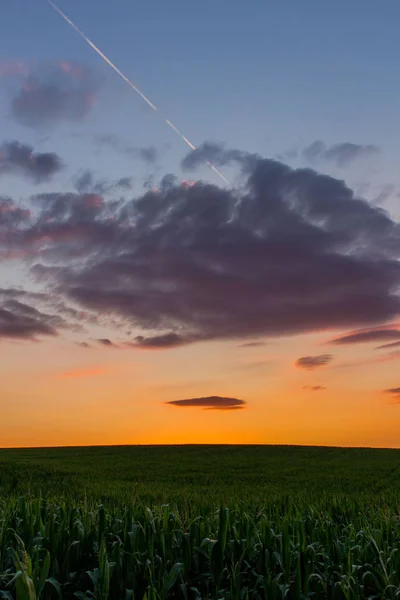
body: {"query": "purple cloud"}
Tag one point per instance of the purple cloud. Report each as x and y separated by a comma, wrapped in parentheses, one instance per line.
(313, 362)
(52, 93)
(210, 403)
(288, 252)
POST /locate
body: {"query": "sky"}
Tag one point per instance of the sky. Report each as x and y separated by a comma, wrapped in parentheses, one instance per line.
(144, 299)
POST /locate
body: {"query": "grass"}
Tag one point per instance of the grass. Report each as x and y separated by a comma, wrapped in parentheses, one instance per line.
(221, 473)
(200, 522)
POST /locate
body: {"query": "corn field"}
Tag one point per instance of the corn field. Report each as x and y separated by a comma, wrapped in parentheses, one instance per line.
(196, 524)
(343, 550)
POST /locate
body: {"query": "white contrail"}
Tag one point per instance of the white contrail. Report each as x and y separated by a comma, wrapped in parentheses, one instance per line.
(133, 86)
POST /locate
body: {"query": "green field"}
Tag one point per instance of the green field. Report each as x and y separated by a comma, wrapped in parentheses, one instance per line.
(200, 522)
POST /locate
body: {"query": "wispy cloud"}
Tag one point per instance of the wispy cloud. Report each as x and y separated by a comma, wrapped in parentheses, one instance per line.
(364, 362)
(314, 388)
(85, 182)
(342, 154)
(148, 154)
(251, 345)
(374, 334)
(256, 365)
(386, 346)
(394, 392)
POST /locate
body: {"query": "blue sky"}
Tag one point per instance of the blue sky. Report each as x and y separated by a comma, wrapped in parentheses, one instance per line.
(256, 76)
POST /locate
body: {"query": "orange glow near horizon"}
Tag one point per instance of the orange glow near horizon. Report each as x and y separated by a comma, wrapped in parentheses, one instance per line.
(105, 396)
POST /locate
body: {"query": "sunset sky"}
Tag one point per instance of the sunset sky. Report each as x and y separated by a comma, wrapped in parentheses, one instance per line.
(145, 301)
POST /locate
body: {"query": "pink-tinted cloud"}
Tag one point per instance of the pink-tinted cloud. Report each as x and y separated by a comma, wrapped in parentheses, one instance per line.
(11, 214)
(15, 68)
(187, 183)
(74, 70)
(84, 372)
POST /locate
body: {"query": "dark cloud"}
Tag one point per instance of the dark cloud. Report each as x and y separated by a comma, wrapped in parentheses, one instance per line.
(313, 362)
(61, 209)
(367, 335)
(251, 345)
(62, 226)
(287, 252)
(314, 388)
(83, 344)
(210, 403)
(22, 321)
(21, 159)
(167, 340)
(341, 155)
(16, 293)
(28, 313)
(148, 154)
(105, 342)
(55, 92)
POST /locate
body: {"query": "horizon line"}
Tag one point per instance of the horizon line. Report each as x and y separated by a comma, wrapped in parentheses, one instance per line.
(216, 444)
